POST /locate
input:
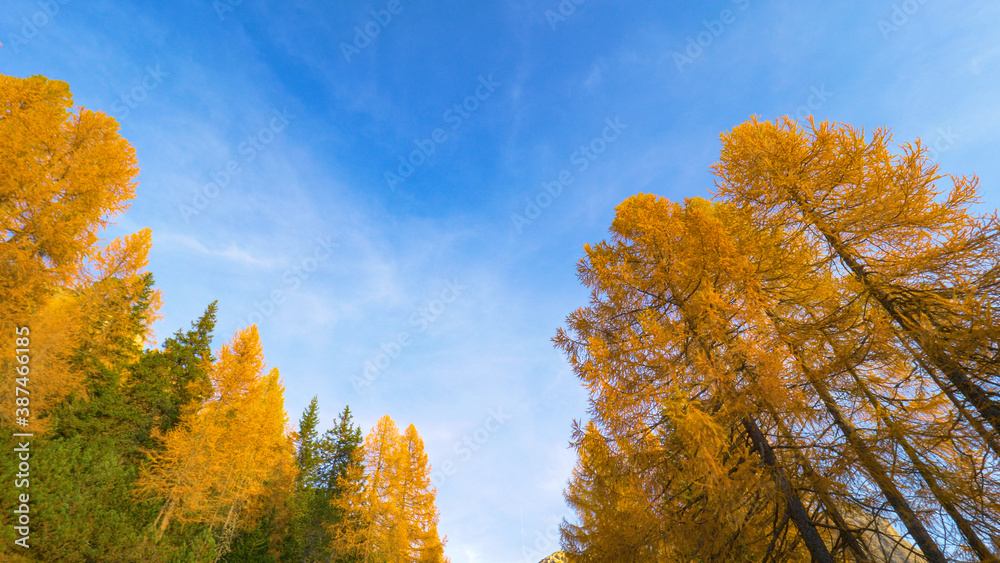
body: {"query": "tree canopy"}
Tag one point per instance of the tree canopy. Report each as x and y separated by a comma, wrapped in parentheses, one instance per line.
(795, 370)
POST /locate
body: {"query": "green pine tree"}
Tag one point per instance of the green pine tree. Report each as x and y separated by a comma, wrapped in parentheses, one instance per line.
(307, 455)
(321, 461)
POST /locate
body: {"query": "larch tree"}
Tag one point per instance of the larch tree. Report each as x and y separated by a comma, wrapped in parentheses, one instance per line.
(914, 250)
(350, 535)
(64, 175)
(387, 501)
(723, 363)
(225, 463)
(372, 517)
(416, 502)
(88, 304)
(617, 522)
(676, 390)
(913, 311)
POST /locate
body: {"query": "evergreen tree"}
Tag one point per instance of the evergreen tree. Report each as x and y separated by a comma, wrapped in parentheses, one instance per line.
(307, 456)
(164, 384)
(337, 450)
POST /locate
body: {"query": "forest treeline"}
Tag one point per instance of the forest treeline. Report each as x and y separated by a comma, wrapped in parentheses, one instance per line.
(169, 453)
(804, 368)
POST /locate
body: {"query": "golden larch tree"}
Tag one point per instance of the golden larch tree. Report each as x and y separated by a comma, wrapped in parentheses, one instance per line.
(64, 175)
(223, 463)
(914, 249)
(388, 501)
(912, 307)
(416, 502)
(746, 403)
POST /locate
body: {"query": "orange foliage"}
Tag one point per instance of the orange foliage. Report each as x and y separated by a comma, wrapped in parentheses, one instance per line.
(389, 509)
(223, 463)
(64, 175)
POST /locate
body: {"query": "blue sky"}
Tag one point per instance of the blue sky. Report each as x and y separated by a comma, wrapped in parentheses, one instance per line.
(265, 132)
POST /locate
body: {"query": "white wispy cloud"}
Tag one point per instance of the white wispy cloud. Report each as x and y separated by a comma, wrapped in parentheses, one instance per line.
(230, 252)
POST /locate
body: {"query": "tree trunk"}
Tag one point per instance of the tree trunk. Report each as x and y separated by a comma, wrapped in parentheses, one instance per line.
(796, 511)
(940, 494)
(953, 372)
(861, 554)
(977, 424)
(927, 545)
(164, 517)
